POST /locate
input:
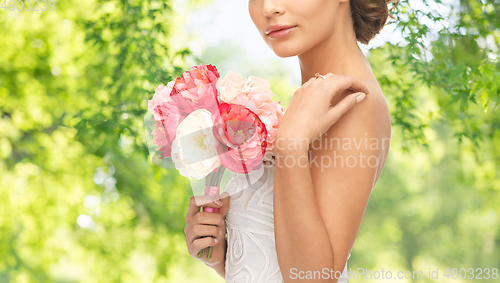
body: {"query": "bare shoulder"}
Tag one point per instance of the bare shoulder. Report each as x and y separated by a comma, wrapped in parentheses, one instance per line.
(365, 128)
(371, 115)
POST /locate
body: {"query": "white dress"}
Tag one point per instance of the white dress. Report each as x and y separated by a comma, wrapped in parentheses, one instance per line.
(251, 251)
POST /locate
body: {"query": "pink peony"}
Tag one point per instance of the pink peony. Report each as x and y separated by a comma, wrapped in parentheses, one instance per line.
(167, 116)
(196, 89)
(169, 124)
(255, 94)
(230, 86)
(242, 135)
(162, 94)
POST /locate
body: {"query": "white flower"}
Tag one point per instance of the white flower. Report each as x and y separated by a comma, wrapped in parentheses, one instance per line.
(194, 151)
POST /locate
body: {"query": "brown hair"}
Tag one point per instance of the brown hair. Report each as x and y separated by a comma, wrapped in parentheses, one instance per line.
(369, 17)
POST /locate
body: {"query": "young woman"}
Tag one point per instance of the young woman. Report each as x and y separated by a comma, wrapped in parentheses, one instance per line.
(300, 221)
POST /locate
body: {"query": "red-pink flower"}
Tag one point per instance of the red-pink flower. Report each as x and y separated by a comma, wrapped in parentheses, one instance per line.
(255, 94)
(167, 116)
(167, 126)
(242, 135)
(196, 89)
(162, 94)
(270, 112)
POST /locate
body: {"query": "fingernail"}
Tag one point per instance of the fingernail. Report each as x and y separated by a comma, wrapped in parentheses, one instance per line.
(215, 240)
(220, 232)
(222, 222)
(360, 98)
(224, 195)
(218, 202)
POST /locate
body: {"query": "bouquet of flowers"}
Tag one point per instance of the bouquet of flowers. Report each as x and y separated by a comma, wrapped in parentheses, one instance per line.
(204, 124)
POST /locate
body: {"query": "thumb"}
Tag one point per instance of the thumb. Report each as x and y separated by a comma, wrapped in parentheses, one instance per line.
(345, 104)
(224, 197)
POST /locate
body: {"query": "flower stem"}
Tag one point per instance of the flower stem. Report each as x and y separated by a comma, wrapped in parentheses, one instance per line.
(201, 253)
(210, 250)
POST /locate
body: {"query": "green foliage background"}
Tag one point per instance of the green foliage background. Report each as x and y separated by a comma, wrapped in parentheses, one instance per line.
(74, 85)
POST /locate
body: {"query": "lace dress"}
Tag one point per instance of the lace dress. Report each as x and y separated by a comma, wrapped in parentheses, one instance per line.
(251, 252)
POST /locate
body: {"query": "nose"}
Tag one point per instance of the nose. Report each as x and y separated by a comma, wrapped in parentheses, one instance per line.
(273, 7)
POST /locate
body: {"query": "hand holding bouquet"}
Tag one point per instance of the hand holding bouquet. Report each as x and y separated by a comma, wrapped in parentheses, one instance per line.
(205, 124)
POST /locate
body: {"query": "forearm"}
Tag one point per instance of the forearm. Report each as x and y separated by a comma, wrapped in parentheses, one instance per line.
(302, 240)
(218, 262)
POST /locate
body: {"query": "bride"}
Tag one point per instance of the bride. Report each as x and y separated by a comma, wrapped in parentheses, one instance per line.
(300, 219)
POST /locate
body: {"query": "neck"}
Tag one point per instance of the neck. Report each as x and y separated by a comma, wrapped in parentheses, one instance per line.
(338, 54)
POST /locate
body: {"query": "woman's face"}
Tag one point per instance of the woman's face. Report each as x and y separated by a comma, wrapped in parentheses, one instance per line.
(314, 21)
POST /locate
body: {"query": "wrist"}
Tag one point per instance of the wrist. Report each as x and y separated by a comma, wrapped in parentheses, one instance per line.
(218, 260)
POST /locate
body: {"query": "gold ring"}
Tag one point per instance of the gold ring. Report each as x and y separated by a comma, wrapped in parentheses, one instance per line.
(317, 75)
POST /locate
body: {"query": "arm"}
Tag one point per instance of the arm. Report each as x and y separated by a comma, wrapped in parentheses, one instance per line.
(327, 202)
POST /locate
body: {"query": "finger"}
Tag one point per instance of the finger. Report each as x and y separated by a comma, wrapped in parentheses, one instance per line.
(344, 105)
(326, 76)
(205, 218)
(202, 243)
(202, 231)
(313, 78)
(199, 244)
(308, 82)
(331, 75)
(208, 218)
(205, 201)
(225, 198)
(196, 202)
(348, 83)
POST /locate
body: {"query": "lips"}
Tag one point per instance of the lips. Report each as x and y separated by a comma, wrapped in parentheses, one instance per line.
(277, 27)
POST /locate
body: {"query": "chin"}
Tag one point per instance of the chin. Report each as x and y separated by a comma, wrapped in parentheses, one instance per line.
(284, 49)
(284, 52)
(296, 44)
